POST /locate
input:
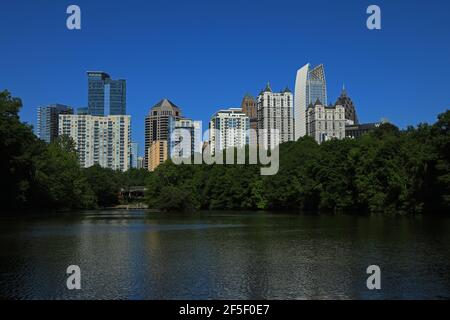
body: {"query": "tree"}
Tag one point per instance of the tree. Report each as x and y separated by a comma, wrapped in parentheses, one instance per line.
(105, 185)
(175, 199)
(62, 183)
(19, 149)
(442, 142)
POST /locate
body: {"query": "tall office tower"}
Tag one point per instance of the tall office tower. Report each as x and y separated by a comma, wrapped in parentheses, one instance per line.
(249, 107)
(99, 140)
(157, 127)
(350, 109)
(310, 86)
(324, 123)
(48, 121)
(106, 96)
(134, 150)
(275, 112)
(228, 129)
(179, 130)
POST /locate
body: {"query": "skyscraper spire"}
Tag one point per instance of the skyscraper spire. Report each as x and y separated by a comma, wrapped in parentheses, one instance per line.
(350, 109)
(267, 88)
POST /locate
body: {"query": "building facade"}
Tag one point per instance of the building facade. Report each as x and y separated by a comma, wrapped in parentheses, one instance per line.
(105, 95)
(134, 151)
(228, 128)
(181, 129)
(140, 163)
(157, 125)
(275, 113)
(99, 140)
(48, 121)
(310, 86)
(249, 107)
(325, 123)
(350, 109)
(157, 154)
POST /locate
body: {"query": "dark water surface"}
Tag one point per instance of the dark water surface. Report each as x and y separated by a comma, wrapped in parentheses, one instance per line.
(131, 255)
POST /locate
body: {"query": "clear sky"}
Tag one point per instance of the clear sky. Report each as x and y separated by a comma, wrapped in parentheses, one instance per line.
(205, 55)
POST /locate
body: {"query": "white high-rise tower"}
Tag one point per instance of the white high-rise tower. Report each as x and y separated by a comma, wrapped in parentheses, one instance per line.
(275, 112)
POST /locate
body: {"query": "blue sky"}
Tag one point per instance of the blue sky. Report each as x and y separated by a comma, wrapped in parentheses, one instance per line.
(205, 55)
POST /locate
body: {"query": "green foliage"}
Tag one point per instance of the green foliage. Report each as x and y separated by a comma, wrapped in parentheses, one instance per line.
(19, 150)
(175, 199)
(133, 177)
(104, 184)
(387, 171)
(37, 176)
(61, 180)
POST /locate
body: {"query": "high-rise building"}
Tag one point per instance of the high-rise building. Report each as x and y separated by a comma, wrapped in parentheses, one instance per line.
(310, 86)
(134, 151)
(350, 109)
(106, 96)
(275, 112)
(99, 140)
(324, 123)
(140, 163)
(249, 107)
(157, 154)
(48, 121)
(157, 127)
(181, 129)
(228, 128)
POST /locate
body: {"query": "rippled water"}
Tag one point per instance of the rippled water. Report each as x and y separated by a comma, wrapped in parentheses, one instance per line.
(133, 255)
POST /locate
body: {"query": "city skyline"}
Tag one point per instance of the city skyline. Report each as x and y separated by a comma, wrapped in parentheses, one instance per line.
(310, 86)
(211, 68)
(225, 158)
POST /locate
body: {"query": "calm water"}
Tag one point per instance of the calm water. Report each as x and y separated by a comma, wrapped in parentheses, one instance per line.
(131, 255)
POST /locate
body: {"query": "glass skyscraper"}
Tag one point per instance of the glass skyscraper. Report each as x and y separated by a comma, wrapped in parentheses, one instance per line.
(48, 121)
(134, 148)
(105, 96)
(310, 86)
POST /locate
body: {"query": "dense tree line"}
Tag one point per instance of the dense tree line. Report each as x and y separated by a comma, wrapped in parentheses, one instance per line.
(386, 171)
(35, 175)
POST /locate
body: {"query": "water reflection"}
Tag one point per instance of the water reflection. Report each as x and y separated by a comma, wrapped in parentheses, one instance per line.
(132, 255)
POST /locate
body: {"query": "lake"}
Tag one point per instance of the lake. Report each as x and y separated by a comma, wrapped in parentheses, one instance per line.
(137, 255)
